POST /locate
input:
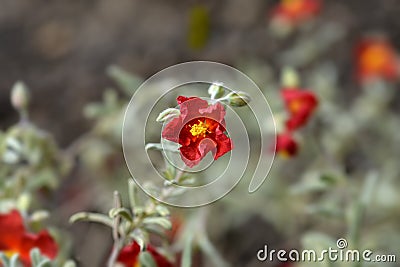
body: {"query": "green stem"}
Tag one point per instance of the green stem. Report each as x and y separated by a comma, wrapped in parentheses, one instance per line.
(359, 211)
(118, 242)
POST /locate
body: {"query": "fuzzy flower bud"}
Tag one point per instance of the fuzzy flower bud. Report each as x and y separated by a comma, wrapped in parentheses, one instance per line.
(238, 99)
(168, 114)
(216, 90)
(19, 96)
(290, 78)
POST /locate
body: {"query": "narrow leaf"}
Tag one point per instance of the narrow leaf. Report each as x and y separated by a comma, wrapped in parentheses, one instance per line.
(35, 256)
(124, 212)
(187, 252)
(127, 81)
(91, 217)
(132, 189)
(163, 222)
(14, 261)
(45, 263)
(4, 260)
(69, 263)
(208, 248)
(146, 259)
(162, 210)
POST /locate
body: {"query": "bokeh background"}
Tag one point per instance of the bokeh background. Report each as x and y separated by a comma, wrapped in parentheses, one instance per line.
(63, 51)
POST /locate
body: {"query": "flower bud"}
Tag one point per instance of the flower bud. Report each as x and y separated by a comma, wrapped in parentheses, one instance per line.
(39, 216)
(216, 90)
(238, 99)
(24, 202)
(290, 78)
(168, 114)
(19, 96)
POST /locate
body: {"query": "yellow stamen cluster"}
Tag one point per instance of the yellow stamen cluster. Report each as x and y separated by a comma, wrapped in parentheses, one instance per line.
(9, 253)
(199, 129)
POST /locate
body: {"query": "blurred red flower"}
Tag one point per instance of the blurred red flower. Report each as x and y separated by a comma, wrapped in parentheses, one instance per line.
(15, 239)
(376, 58)
(199, 129)
(286, 146)
(129, 256)
(296, 11)
(177, 225)
(300, 105)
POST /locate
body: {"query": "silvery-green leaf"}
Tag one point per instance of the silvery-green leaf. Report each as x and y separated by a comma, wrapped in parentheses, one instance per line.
(6, 205)
(35, 256)
(162, 210)
(146, 259)
(216, 90)
(163, 222)
(124, 212)
(4, 260)
(187, 251)
(24, 201)
(39, 215)
(208, 248)
(316, 242)
(166, 146)
(168, 114)
(13, 144)
(139, 211)
(153, 146)
(132, 190)
(92, 217)
(11, 157)
(45, 263)
(69, 263)
(139, 238)
(177, 192)
(127, 81)
(14, 261)
(153, 229)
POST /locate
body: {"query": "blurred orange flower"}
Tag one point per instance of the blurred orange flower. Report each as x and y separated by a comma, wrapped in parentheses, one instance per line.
(14, 239)
(300, 105)
(376, 58)
(286, 146)
(296, 11)
(129, 256)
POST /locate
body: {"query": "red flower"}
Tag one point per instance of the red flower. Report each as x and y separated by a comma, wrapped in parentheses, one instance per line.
(295, 11)
(376, 58)
(300, 105)
(199, 129)
(14, 239)
(129, 256)
(286, 146)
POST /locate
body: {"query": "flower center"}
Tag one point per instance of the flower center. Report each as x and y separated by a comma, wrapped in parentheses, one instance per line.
(199, 129)
(9, 253)
(295, 105)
